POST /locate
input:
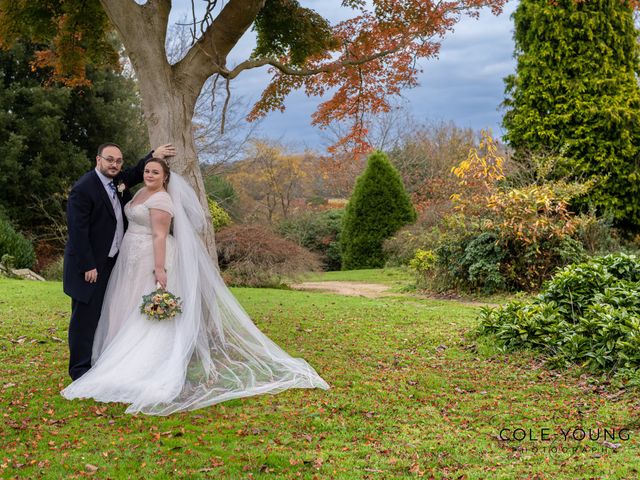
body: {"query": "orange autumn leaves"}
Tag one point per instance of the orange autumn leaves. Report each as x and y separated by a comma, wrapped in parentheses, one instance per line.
(72, 34)
(375, 58)
(371, 57)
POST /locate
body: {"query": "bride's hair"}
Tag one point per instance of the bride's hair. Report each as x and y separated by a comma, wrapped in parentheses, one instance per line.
(165, 168)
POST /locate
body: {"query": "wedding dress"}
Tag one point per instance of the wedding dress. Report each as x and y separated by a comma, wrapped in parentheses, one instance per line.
(209, 353)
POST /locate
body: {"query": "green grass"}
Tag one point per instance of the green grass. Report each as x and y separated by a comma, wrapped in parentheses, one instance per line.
(398, 278)
(411, 396)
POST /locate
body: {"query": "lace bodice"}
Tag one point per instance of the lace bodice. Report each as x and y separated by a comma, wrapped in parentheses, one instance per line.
(138, 214)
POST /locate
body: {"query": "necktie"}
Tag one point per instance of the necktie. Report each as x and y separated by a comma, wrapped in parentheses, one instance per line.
(117, 239)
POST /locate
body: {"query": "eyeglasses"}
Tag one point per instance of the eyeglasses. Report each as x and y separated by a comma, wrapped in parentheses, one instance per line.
(111, 160)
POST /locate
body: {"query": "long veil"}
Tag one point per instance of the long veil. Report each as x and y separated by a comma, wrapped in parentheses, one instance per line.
(224, 354)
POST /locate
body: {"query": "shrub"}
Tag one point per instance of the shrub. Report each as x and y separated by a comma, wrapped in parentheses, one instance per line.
(377, 209)
(474, 263)
(318, 232)
(53, 270)
(223, 193)
(596, 234)
(588, 314)
(16, 245)
(504, 238)
(527, 267)
(401, 247)
(219, 217)
(423, 264)
(252, 255)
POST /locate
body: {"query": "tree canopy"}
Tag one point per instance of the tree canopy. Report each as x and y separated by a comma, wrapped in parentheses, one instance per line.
(361, 60)
(358, 63)
(49, 134)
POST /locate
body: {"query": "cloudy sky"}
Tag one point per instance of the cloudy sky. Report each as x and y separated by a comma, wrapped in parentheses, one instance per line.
(464, 84)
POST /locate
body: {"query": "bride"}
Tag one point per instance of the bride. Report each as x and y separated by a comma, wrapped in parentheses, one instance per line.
(209, 353)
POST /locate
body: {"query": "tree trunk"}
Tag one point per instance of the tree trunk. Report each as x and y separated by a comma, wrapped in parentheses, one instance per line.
(169, 119)
(168, 97)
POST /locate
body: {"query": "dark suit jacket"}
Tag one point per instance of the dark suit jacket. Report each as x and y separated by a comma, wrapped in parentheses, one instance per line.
(91, 223)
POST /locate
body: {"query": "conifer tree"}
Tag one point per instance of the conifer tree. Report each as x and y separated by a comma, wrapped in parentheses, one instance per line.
(49, 134)
(575, 94)
(378, 207)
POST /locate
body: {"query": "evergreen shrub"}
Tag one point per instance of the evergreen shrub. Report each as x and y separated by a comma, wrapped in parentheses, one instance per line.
(317, 231)
(588, 315)
(16, 245)
(378, 208)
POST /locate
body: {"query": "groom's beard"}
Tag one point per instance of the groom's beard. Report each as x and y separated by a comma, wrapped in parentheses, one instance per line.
(111, 172)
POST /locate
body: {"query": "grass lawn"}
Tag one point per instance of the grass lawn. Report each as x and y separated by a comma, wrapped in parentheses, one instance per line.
(395, 277)
(411, 397)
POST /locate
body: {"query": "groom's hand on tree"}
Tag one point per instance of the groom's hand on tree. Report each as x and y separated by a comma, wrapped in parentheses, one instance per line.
(91, 276)
(164, 151)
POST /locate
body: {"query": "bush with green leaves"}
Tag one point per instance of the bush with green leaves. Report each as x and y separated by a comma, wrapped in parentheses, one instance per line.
(401, 248)
(423, 263)
(587, 315)
(15, 244)
(378, 208)
(472, 257)
(219, 217)
(317, 231)
(502, 237)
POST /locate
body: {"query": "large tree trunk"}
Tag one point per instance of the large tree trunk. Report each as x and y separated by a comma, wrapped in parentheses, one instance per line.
(168, 96)
(169, 117)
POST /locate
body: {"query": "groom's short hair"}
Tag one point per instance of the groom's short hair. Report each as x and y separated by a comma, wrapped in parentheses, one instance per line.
(108, 144)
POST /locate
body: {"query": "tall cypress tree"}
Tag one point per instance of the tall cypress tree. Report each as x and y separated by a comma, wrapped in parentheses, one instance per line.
(378, 207)
(576, 94)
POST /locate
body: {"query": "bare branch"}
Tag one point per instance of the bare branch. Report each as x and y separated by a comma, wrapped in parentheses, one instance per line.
(224, 108)
(305, 72)
(209, 54)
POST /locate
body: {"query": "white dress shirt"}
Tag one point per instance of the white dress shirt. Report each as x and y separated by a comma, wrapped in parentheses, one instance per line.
(117, 209)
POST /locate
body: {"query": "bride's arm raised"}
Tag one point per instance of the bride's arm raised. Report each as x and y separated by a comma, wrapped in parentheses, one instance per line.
(160, 224)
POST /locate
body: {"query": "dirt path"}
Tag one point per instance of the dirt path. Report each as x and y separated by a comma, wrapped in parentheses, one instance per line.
(369, 290)
(376, 290)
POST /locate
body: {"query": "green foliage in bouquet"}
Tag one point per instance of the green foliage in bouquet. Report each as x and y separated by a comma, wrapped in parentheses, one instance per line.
(377, 209)
(588, 314)
(160, 305)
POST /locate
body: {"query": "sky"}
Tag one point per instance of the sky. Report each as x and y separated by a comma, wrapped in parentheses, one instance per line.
(464, 84)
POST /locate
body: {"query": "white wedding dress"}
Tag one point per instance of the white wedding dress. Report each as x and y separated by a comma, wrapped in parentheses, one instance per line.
(209, 353)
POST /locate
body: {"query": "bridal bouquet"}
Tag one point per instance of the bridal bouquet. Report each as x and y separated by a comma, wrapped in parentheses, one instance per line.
(160, 305)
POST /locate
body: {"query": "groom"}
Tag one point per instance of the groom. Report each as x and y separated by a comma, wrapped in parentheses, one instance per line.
(96, 224)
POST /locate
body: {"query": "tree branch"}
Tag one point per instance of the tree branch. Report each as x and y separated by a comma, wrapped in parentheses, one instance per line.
(305, 72)
(209, 54)
(144, 37)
